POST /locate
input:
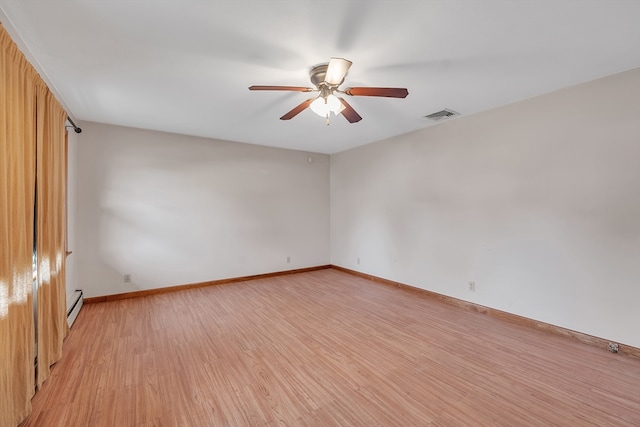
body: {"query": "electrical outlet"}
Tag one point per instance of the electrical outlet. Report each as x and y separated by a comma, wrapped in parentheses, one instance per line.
(358, 261)
(127, 278)
(288, 259)
(472, 286)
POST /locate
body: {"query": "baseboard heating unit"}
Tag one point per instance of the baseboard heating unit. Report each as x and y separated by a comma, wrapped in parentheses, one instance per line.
(74, 304)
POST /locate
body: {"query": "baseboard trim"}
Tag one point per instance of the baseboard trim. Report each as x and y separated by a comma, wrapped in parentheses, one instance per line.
(601, 343)
(156, 291)
(499, 314)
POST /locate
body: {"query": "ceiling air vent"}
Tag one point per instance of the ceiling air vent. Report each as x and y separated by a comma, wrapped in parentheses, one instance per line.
(441, 115)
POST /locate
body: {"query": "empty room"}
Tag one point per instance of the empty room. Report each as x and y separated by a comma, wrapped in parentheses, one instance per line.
(319, 213)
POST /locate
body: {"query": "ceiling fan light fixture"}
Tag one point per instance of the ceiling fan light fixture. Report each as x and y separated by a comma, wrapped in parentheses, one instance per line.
(325, 105)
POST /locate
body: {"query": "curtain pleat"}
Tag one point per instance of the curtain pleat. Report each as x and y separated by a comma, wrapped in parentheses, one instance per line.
(32, 161)
(50, 230)
(17, 181)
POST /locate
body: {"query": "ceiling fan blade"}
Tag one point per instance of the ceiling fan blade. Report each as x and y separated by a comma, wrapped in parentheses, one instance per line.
(389, 92)
(349, 113)
(297, 110)
(336, 71)
(291, 88)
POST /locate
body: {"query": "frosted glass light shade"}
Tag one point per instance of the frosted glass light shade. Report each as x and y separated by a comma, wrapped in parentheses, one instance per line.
(334, 104)
(336, 71)
(320, 107)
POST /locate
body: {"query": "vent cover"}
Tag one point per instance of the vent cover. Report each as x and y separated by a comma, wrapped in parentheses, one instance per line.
(442, 114)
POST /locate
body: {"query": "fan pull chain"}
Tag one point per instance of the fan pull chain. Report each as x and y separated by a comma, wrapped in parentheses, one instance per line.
(328, 118)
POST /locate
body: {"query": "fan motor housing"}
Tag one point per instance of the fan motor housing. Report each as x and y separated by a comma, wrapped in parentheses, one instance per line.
(318, 73)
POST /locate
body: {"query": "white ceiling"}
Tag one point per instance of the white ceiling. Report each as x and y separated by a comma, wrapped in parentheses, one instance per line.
(185, 66)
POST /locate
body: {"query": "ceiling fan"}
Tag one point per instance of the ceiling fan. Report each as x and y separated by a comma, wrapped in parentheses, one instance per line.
(327, 78)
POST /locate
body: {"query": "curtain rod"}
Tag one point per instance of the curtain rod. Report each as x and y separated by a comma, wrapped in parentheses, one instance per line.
(75, 128)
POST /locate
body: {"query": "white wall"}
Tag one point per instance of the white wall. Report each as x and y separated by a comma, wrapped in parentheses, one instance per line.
(171, 209)
(71, 268)
(537, 202)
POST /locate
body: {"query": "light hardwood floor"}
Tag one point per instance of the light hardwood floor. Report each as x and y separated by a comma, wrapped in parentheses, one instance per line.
(324, 348)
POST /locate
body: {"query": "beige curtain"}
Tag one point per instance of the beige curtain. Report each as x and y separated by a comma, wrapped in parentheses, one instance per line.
(17, 180)
(32, 161)
(50, 230)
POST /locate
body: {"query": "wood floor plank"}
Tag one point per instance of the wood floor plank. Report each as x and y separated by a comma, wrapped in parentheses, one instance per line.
(324, 348)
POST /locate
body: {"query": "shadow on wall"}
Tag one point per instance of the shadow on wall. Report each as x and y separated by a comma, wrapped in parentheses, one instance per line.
(171, 209)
